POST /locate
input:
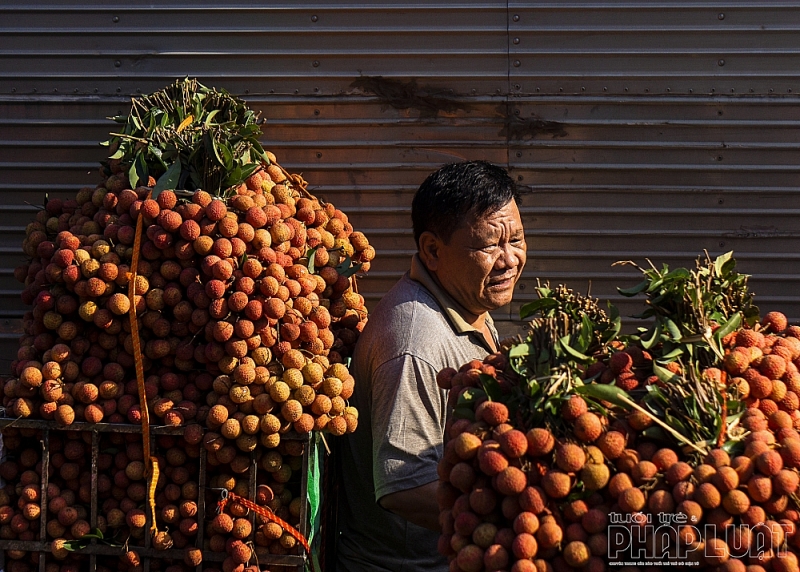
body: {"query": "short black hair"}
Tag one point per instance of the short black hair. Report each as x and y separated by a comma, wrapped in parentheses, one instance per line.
(457, 190)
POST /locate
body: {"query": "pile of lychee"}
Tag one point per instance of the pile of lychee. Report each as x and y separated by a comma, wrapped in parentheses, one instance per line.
(246, 309)
(588, 492)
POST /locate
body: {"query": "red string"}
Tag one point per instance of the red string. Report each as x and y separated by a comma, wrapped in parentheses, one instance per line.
(268, 514)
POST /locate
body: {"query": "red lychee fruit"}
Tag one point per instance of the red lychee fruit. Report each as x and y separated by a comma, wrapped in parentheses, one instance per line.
(573, 408)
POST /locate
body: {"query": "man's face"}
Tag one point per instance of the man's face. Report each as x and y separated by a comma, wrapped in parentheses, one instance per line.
(483, 260)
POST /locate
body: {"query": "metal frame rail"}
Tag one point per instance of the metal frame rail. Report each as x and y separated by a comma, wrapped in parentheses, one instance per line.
(148, 553)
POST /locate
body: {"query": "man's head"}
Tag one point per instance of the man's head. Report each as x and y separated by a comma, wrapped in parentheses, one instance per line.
(469, 233)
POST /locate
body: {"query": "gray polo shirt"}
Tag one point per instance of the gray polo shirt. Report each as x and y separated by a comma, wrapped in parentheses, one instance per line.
(414, 332)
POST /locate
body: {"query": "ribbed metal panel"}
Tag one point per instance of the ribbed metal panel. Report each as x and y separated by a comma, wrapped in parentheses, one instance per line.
(400, 88)
(641, 47)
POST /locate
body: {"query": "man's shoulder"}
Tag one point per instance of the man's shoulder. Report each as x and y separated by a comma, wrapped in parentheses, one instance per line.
(407, 321)
(408, 302)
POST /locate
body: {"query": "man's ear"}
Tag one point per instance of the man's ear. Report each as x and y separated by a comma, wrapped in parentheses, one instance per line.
(429, 247)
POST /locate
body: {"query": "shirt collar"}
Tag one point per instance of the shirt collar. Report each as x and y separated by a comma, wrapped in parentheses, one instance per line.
(451, 308)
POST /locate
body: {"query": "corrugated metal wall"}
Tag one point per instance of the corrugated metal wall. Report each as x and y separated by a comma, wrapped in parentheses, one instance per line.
(642, 128)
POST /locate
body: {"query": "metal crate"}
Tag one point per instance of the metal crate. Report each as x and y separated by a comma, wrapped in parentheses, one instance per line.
(148, 553)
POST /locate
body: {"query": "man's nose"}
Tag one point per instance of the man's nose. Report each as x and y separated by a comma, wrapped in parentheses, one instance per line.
(509, 258)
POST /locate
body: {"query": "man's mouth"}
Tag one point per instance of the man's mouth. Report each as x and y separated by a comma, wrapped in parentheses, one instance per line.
(504, 281)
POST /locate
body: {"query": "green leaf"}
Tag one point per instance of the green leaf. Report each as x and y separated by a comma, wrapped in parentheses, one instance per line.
(464, 412)
(537, 306)
(720, 262)
(133, 176)
(490, 386)
(673, 329)
(210, 117)
(673, 355)
(311, 255)
(120, 153)
(629, 292)
(520, 350)
(469, 396)
(730, 326)
(603, 392)
(665, 375)
(169, 180)
(352, 270)
(653, 338)
(586, 335)
(564, 342)
(656, 433)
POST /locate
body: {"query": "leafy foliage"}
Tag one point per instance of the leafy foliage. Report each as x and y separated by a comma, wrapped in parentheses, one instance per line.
(692, 312)
(188, 136)
(570, 333)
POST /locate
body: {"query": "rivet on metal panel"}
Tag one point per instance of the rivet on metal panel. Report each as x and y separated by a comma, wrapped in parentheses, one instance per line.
(732, 90)
(752, 90)
(789, 90)
(721, 16)
(521, 286)
(117, 63)
(319, 155)
(538, 90)
(625, 89)
(138, 90)
(272, 91)
(647, 90)
(519, 177)
(75, 90)
(517, 63)
(583, 89)
(13, 90)
(770, 90)
(516, 112)
(721, 244)
(713, 90)
(296, 91)
(316, 90)
(473, 91)
(519, 154)
(719, 157)
(115, 19)
(516, 18)
(721, 201)
(668, 90)
(516, 40)
(119, 89)
(314, 18)
(247, 91)
(516, 86)
(56, 90)
(691, 90)
(560, 89)
(36, 90)
(605, 88)
(316, 112)
(720, 62)
(315, 63)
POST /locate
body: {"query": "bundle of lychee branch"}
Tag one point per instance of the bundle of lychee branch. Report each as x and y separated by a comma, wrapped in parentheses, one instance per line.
(580, 448)
(245, 310)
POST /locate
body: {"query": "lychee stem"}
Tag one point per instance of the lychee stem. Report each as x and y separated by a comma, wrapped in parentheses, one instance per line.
(661, 423)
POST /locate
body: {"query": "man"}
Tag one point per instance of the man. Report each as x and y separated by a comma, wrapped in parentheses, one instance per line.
(471, 251)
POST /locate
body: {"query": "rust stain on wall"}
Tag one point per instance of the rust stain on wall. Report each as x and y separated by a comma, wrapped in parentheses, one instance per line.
(517, 128)
(428, 100)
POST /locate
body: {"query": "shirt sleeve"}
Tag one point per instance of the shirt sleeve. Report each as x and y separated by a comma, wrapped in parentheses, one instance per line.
(408, 419)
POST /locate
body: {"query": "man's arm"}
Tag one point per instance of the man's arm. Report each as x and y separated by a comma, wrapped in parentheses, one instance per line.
(417, 505)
